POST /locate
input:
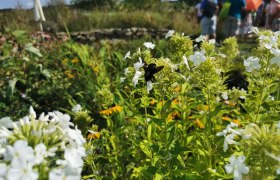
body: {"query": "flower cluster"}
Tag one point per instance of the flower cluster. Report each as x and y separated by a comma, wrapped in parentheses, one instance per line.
(237, 167)
(229, 133)
(32, 145)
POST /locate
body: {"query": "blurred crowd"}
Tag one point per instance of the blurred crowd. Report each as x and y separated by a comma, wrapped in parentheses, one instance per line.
(237, 16)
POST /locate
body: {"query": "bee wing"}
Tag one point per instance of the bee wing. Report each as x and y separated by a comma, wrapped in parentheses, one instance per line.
(159, 68)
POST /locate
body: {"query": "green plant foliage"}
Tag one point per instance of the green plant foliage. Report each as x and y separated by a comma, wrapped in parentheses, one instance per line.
(182, 123)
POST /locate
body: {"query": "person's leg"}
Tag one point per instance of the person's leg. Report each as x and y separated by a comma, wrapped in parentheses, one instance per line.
(213, 27)
(276, 25)
(205, 22)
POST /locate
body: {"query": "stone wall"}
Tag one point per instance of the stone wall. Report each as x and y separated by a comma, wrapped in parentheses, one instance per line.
(114, 33)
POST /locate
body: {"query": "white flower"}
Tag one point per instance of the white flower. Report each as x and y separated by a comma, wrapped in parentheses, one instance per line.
(73, 162)
(59, 174)
(42, 117)
(212, 41)
(77, 108)
(24, 172)
(19, 154)
(149, 86)
(229, 139)
(127, 55)
(32, 113)
(136, 77)
(278, 171)
(275, 60)
(271, 98)
(25, 120)
(3, 170)
(63, 120)
(252, 63)
(201, 38)
(186, 62)
(254, 30)
(169, 33)
(275, 51)
(149, 45)
(122, 79)
(40, 153)
(126, 71)
(6, 122)
(237, 167)
(138, 65)
(224, 96)
(198, 57)
(148, 119)
(75, 137)
(223, 133)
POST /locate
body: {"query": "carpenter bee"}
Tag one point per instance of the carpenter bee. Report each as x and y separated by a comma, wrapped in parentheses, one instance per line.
(150, 70)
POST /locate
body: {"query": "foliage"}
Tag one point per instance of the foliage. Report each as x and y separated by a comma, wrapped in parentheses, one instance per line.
(185, 122)
(80, 20)
(90, 4)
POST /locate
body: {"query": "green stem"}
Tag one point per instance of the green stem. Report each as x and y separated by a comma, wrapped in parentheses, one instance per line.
(263, 86)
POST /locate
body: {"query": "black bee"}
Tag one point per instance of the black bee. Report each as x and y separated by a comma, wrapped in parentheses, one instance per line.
(150, 70)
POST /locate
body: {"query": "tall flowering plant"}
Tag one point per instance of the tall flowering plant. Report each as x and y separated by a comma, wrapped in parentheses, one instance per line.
(45, 147)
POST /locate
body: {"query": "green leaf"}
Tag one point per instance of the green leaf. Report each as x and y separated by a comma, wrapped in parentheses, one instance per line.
(158, 177)
(145, 149)
(189, 139)
(149, 132)
(12, 85)
(29, 47)
(46, 73)
(215, 112)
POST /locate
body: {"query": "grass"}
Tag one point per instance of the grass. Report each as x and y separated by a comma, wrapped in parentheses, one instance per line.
(81, 20)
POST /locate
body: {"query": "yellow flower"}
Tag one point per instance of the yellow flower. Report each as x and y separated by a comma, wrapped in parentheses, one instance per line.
(199, 124)
(94, 135)
(177, 89)
(94, 68)
(117, 108)
(152, 102)
(75, 60)
(225, 118)
(69, 74)
(111, 110)
(191, 117)
(202, 107)
(106, 112)
(64, 61)
(172, 116)
(236, 121)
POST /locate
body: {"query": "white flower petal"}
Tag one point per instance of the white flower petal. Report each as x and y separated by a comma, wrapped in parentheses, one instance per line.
(149, 45)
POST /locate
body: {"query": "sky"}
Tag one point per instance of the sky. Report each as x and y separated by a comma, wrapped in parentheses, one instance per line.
(25, 3)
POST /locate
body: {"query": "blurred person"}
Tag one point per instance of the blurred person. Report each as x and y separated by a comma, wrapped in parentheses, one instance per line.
(198, 11)
(209, 18)
(273, 15)
(232, 24)
(246, 23)
(260, 19)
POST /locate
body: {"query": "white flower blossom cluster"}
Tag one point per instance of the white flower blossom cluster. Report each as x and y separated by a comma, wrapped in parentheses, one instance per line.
(20, 160)
(252, 63)
(198, 57)
(237, 167)
(267, 42)
(229, 133)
